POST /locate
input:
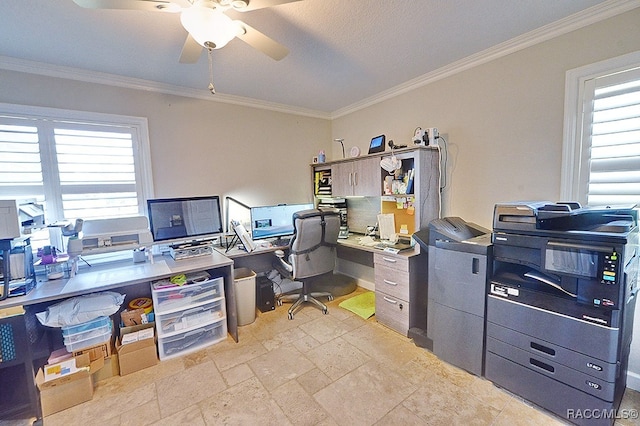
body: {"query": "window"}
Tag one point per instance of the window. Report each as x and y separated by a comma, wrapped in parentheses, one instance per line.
(80, 165)
(601, 157)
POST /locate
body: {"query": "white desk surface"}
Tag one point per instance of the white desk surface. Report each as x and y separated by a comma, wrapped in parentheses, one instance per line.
(125, 273)
(353, 242)
(114, 275)
(236, 252)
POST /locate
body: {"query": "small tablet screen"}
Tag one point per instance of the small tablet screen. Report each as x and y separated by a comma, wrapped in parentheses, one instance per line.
(377, 144)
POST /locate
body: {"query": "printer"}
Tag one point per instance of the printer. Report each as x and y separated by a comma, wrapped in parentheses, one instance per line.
(560, 304)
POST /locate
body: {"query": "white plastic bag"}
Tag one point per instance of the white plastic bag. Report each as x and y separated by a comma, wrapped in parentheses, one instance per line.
(77, 310)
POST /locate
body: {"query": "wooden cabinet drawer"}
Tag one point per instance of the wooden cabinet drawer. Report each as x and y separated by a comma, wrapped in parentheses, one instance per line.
(400, 263)
(392, 282)
(392, 312)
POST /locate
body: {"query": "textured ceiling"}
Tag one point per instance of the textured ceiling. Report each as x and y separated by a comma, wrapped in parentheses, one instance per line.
(341, 51)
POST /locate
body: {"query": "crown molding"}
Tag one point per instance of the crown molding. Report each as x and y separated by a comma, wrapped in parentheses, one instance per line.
(87, 76)
(576, 21)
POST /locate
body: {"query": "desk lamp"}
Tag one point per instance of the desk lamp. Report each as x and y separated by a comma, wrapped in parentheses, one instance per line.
(341, 143)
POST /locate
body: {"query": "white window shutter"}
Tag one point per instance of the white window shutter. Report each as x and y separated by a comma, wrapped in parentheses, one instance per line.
(612, 139)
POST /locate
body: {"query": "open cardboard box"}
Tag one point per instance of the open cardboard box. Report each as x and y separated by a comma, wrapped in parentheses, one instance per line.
(72, 389)
(136, 355)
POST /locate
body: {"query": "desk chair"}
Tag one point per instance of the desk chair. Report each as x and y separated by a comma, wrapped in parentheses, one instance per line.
(312, 252)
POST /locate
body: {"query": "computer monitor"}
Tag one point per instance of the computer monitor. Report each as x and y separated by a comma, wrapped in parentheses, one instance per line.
(274, 221)
(184, 218)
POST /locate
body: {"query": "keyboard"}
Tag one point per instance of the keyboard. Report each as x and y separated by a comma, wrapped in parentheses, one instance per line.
(281, 242)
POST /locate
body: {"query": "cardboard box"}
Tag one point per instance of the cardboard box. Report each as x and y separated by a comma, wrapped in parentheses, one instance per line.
(67, 391)
(131, 318)
(136, 355)
(111, 369)
(102, 350)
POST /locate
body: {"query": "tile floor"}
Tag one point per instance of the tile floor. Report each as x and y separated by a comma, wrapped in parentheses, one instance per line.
(334, 369)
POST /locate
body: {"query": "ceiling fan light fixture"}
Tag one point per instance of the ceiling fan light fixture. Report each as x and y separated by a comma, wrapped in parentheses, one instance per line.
(209, 27)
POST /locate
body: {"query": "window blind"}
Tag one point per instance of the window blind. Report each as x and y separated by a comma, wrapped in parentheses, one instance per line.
(77, 164)
(96, 171)
(20, 168)
(612, 125)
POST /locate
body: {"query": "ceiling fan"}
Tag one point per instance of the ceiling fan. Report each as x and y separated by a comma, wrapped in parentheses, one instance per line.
(206, 23)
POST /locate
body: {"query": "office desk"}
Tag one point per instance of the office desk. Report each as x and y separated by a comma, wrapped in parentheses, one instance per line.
(350, 249)
(260, 260)
(400, 281)
(122, 274)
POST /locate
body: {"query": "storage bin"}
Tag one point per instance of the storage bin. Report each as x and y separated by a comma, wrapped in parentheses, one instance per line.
(86, 331)
(192, 340)
(190, 318)
(93, 340)
(170, 299)
(244, 284)
(85, 326)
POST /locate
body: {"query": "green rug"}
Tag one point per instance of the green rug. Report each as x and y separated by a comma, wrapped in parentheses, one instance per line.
(363, 305)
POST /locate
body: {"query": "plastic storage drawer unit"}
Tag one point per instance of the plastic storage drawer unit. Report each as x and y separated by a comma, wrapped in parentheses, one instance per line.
(87, 339)
(190, 318)
(172, 298)
(87, 330)
(192, 340)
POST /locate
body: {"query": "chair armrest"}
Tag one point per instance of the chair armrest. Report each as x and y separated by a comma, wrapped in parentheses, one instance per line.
(280, 255)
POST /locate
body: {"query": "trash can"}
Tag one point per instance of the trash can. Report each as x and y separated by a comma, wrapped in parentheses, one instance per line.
(244, 284)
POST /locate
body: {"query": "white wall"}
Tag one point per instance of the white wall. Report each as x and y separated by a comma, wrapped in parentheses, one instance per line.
(198, 147)
(503, 119)
(503, 122)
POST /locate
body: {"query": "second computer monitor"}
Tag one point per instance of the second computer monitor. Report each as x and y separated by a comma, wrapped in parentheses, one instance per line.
(274, 221)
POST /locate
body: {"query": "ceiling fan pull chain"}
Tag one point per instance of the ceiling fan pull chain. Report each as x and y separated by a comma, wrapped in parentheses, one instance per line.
(212, 88)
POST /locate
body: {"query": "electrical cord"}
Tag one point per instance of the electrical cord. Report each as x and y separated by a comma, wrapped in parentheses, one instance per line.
(443, 163)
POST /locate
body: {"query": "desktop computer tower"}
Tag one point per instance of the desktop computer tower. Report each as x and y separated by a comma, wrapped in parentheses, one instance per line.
(265, 298)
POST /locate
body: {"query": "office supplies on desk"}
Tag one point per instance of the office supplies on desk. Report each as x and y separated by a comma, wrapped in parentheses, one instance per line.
(244, 236)
(367, 241)
(387, 226)
(17, 275)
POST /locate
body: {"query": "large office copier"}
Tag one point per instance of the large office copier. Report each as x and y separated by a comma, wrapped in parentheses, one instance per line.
(560, 306)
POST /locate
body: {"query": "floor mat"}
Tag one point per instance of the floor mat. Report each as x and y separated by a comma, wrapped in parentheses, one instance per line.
(363, 305)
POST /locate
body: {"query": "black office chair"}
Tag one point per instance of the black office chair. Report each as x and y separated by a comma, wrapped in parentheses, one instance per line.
(312, 252)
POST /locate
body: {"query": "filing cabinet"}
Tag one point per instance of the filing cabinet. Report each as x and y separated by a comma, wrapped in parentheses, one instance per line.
(393, 278)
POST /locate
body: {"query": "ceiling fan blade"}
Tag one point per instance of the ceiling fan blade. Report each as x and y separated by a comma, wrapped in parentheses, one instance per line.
(191, 51)
(261, 42)
(149, 5)
(261, 4)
